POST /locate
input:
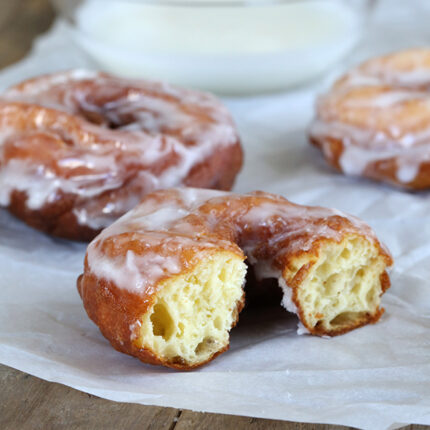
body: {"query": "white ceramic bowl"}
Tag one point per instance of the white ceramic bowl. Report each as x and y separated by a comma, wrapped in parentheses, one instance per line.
(230, 47)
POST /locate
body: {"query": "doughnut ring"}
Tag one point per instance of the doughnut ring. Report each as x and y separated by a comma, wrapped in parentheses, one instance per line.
(78, 149)
(375, 120)
(165, 282)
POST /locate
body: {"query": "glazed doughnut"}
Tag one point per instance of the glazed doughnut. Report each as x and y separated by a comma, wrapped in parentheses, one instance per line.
(375, 121)
(78, 149)
(165, 282)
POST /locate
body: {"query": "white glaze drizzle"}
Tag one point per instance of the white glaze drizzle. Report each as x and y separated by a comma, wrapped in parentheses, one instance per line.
(107, 156)
(361, 146)
(134, 329)
(162, 220)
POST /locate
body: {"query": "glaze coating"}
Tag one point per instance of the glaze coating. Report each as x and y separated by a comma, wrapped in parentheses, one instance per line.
(172, 231)
(375, 121)
(78, 149)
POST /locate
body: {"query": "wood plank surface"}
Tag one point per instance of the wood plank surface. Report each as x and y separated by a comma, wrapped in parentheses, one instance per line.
(27, 402)
(30, 403)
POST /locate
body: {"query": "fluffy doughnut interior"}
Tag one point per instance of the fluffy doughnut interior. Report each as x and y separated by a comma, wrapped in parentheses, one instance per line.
(343, 287)
(193, 313)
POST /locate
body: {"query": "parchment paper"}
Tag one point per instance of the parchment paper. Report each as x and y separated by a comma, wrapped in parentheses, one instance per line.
(377, 377)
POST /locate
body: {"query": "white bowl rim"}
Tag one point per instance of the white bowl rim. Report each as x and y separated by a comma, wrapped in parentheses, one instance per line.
(219, 3)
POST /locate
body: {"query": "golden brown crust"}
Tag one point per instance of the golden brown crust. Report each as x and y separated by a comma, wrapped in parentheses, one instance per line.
(70, 134)
(114, 311)
(381, 171)
(269, 227)
(375, 121)
(57, 218)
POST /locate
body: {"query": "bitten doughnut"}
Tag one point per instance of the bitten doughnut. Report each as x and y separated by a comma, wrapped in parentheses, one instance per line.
(78, 149)
(375, 121)
(165, 282)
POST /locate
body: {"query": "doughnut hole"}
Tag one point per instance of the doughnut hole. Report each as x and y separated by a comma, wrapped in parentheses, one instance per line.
(342, 288)
(194, 312)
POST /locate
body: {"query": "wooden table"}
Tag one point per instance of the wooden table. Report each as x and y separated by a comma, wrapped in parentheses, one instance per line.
(27, 402)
